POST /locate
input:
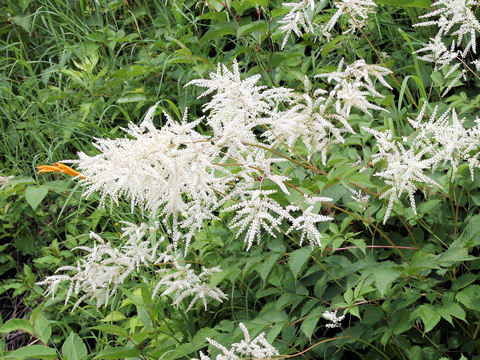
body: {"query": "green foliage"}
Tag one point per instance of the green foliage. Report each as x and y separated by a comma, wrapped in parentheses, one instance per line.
(74, 71)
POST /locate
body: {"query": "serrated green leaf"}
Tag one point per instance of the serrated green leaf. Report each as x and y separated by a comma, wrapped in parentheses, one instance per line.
(251, 27)
(329, 46)
(73, 348)
(217, 31)
(298, 259)
(111, 329)
(384, 276)
(117, 353)
(309, 324)
(35, 194)
(450, 309)
(266, 266)
(429, 316)
(463, 281)
(406, 3)
(17, 324)
(42, 328)
(32, 352)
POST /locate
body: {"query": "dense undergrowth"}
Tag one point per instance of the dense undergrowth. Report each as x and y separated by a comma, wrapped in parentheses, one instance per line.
(397, 259)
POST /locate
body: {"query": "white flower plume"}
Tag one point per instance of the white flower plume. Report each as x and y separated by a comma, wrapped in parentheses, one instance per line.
(258, 348)
(99, 274)
(357, 10)
(297, 19)
(257, 211)
(184, 282)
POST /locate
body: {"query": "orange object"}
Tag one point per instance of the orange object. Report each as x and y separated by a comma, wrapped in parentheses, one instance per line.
(58, 167)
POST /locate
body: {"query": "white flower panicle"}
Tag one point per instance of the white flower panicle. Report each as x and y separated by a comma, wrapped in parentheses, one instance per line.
(452, 141)
(455, 18)
(456, 15)
(258, 348)
(405, 168)
(105, 267)
(99, 274)
(182, 282)
(333, 318)
(257, 211)
(237, 107)
(436, 142)
(357, 10)
(297, 19)
(308, 220)
(354, 84)
(155, 170)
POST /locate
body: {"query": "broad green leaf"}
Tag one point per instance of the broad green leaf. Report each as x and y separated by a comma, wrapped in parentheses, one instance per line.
(471, 233)
(267, 265)
(132, 98)
(217, 31)
(464, 280)
(251, 27)
(454, 255)
(329, 46)
(73, 348)
(35, 194)
(470, 297)
(114, 316)
(17, 324)
(406, 3)
(117, 353)
(33, 352)
(298, 259)
(450, 309)
(310, 323)
(401, 322)
(429, 316)
(111, 329)
(42, 328)
(384, 276)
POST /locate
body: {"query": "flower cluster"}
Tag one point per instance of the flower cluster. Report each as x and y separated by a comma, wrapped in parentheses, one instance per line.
(183, 282)
(333, 318)
(296, 19)
(258, 348)
(357, 10)
(155, 168)
(105, 267)
(436, 142)
(455, 19)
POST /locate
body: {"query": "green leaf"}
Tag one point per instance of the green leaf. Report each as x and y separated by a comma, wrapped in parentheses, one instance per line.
(450, 309)
(471, 233)
(267, 265)
(309, 324)
(33, 352)
(17, 324)
(35, 194)
(132, 98)
(463, 281)
(406, 3)
(429, 316)
(384, 276)
(251, 27)
(114, 316)
(111, 329)
(329, 46)
(218, 31)
(298, 258)
(73, 348)
(117, 353)
(42, 328)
